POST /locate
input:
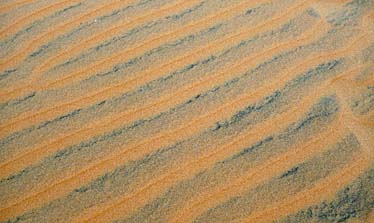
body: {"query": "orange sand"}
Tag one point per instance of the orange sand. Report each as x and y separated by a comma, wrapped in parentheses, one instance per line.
(186, 111)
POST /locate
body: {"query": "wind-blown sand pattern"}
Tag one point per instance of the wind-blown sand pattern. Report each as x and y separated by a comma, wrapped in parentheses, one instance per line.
(187, 111)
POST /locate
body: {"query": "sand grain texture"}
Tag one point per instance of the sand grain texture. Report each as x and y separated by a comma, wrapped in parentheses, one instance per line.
(187, 111)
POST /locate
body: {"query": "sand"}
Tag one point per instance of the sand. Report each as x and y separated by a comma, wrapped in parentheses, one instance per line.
(186, 111)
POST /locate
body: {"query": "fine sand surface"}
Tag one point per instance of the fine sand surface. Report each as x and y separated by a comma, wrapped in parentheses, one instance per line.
(186, 111)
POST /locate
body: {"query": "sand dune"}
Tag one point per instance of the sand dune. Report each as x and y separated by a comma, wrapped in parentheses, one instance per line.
(186, 111)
